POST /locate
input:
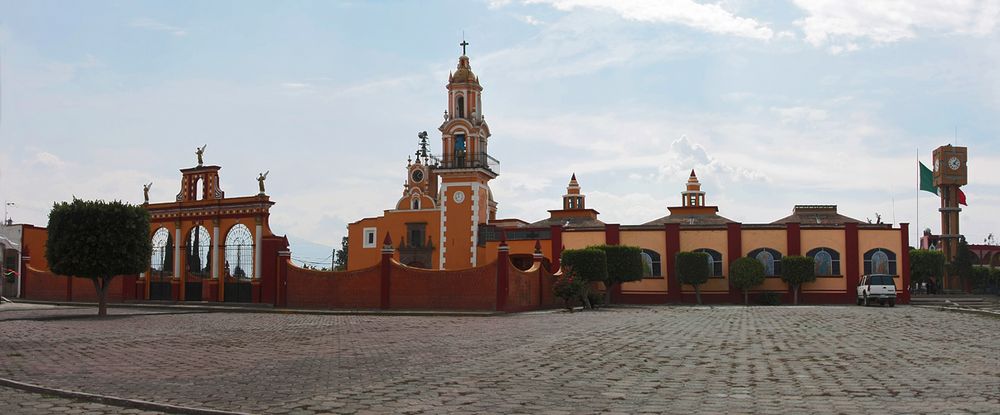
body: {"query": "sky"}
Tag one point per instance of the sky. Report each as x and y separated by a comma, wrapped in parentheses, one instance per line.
(772, 103)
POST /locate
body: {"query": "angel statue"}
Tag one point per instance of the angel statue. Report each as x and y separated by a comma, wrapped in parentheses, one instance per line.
(260, 180)
(200, 152)
(145, 191)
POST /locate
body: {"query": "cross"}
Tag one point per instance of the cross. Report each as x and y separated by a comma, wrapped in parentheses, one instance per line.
(463, 44)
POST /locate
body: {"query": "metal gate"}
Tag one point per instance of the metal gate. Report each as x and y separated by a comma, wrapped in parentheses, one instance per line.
(239, 290)
(161, 268)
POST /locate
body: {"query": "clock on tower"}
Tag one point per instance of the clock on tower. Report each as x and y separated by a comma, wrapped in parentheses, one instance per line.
(950, 166)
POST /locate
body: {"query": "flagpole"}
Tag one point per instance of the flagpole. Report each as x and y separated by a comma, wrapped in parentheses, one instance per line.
(917, 227)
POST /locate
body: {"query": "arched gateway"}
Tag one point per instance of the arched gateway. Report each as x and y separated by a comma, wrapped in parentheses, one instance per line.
(207, 247)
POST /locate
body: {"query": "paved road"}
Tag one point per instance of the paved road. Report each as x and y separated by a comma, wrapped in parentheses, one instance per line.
(824, 360)
(18, 402)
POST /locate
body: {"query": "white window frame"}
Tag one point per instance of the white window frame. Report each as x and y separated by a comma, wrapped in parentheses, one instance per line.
(369, 234)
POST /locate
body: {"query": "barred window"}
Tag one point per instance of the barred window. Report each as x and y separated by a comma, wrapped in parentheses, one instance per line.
(239, 253)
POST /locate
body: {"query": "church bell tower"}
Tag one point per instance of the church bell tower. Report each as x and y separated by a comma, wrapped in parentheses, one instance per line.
(465, 169)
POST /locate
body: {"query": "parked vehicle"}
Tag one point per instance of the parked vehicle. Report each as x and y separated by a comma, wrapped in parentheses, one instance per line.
(877, 287)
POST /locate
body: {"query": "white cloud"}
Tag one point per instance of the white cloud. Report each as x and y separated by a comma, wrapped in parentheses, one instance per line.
(708, 17)
(800, 114)
(531, 20)
(153, 25)
(843, 23)
(46, 159)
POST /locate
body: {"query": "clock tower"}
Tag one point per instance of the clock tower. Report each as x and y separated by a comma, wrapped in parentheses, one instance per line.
(950, 173)
(465, 169)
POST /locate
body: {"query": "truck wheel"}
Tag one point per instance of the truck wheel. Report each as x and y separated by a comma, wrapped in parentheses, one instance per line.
(892, 303)
(859, 301)
(881, 303)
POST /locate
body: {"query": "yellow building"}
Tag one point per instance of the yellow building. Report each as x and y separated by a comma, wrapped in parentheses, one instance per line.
(446, 219)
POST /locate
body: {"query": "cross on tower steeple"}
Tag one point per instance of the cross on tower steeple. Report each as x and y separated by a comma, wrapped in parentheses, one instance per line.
(463, 45)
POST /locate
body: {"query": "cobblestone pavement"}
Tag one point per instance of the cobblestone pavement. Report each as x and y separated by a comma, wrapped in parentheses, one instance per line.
(823, 360)
(14, 401)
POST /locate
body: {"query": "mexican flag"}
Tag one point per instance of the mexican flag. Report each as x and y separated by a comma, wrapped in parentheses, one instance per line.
(927, 184)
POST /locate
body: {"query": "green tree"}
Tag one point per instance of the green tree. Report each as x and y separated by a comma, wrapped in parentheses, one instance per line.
(980, 278)
(796, 270)
(568, 286)
(962, 265)
(589, 264)
(624, 264)
(925, 265)
(746, 273)
(692, 269)
(98, 240)
(342, 255)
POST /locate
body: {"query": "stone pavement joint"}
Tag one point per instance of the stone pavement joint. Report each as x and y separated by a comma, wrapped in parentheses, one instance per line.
(112, 400)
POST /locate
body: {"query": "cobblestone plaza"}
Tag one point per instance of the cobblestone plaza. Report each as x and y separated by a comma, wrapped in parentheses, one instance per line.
(826, 360)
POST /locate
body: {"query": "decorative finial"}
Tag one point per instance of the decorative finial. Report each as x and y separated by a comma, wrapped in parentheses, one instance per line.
(145, 191)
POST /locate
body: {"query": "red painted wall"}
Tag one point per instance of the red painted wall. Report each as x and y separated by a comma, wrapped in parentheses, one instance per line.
(469, 289)
(322, 289)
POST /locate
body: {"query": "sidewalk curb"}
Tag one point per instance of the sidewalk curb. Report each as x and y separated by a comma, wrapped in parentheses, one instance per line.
(270, 310)
(113, 400)
(987, 313)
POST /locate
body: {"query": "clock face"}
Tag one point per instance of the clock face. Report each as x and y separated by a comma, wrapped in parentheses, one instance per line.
(459, 197)
(417, 175)
(954, 163)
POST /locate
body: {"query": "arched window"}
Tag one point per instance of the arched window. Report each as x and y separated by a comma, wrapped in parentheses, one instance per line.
(880, 261)
(827, 261)
(460, 106)
(770, 258)
(239, 253)
(199, 192)
(714, 261)
(162, 258)
(650, 264)
(198, 251)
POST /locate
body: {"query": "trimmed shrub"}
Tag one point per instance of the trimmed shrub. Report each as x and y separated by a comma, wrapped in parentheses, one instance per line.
(692, 269)
(624, 264)
(796, 270)
(746, 273)
(590, 265)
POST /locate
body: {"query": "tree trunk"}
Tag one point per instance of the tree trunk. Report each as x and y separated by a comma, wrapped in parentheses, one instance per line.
(101, 285)
(746, 298)
(795, 294)
(697, 293)
(607, 294)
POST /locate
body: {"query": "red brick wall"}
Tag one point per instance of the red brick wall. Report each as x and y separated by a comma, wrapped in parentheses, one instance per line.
(469, 289)
(44, 286)
(83, 290)
(323, 289)
(523, 288)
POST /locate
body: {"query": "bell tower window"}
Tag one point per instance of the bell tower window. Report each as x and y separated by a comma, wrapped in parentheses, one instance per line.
(460, 106)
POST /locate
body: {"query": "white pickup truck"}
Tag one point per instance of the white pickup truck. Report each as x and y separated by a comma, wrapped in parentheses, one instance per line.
(877, 287)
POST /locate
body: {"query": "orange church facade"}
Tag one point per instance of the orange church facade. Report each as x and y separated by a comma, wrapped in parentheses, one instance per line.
(446, 219)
